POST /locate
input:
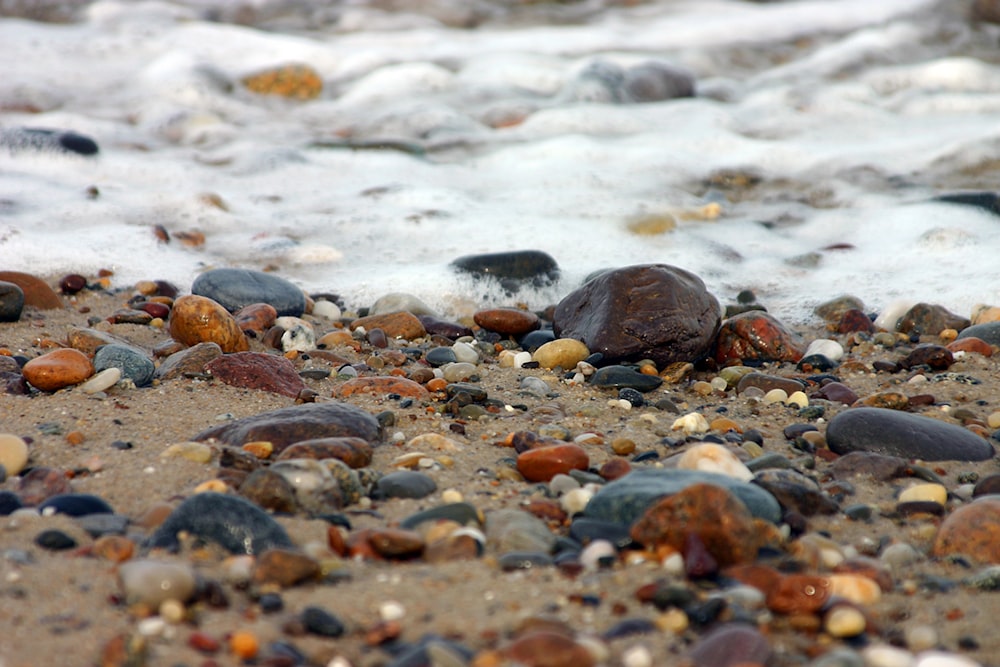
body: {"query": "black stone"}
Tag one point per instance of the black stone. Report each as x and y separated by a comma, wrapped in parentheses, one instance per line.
(585, 530)
(987, 201)
(816, 362)
(405, 484)
(319, 621)
(654, 81)
(630, 627)
(40, 139)
(462, 513)
(519, 265)
(271, 603)
(11, 302)
(97, 525)
(9, 502)
(633, 396)
(55, 540)
(905, 435)
(533, 340)
(439, 356)
(232, 522)
(619, 377)
(236, 288)
(76, 504)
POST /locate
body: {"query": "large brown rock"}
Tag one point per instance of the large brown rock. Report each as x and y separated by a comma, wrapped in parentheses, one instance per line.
(254, 370)
(648, 311)
(287, 426)
(37, 292)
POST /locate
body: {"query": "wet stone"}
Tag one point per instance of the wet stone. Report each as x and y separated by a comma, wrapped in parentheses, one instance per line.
(520, 265)
(937, 357)
(355, 452)
(548, 649)
(855, 321)
(972, 531)
(133, 363)
(36, 291)
(237, 288)
(836, 392)
(930, 319)
(255, 370)
(395, 325)
(768, 382)
(76, 504)
(903, 434)
(11, 302)
(383, 385)
(831, 311)
(190, 361)
(881, 467)
(58, 369)
(619, 377)
(650, 311)
(507, 321)
(627, 498)
(284, 567)
(730, 645)
(290, 425)
(197, 319)
(756, 336)
(988, 332)
(541, 464)
(256, 317)
(563, 353)
(405, 484)
(439, 356)
(234, 523)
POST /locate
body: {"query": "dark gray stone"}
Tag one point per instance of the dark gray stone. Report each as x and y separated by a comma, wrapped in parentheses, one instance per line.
(319, 621)
(987, 331)
(11, 302)
(526, 265)
(97, 525)
(236, 288)
(232, 522)
(286, 426)
(133, 363)
(653, 311)
(39, 139)
(654, 81)
(405, 484)
(619, 377)
(903, 434)
(626, 499)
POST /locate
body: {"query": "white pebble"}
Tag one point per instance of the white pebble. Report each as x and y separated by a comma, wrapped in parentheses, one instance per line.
(598, 550)
(576, 500)
(710, 457)
(797, 398)
(921, 637)
(883, 655)
(776, 396)
(899, 556)
(942, 659)
(691, 423)
(674, 565)
(391, 611)
(452, 496)
(326, 309)
(637, 656)
(891, 314)
(562, 483)
(106, 379)
(521, 358)
(152, 626)
(830, 349)
(465, 352)
(719, 383)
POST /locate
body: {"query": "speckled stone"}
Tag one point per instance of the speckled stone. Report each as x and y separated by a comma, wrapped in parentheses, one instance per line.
(132, 362)
(197, 319)
(382, 385)
(40, 483)
(256, 370)
(236, 288)
(284, 567)
(972, 531)
(355, 452)
(756, 336)
(286, 426)
(903, 434)
(930, 319)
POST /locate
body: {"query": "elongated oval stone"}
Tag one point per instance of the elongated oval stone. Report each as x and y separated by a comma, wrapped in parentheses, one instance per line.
(287, 426)
(903, 434)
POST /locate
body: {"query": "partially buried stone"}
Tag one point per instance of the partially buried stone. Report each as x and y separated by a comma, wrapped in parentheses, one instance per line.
(319, 621)
(903, 434)
(36, 291)
(972, 531)
(716, 516)
(151, 582)
(132, 362)
(293, 424)
(236, 524)
(11, 302)
(237, 288)
(197, 319)
(190, 361)
(284, 567)
(879, 466)
(40, 483)
(988, 332)
(625, 499)
(543, 648)
(42, 139)
(298, 82)
(316, 488)
(520, 265)
(255, 370)
(516, 530)
(382, 385)
(55, 540)
(395, 302)
(58, 369)
(836, 392)
(730, 645)
(507, 321)
(405, 484)
(76, 504)
(544, 463)
(650, 311)
(654, 81)
(355, 452)
(619, 377)
(937, 357)
(395, 325)
(930, 319)
(269, 490)
(756, 336)
(796, 492)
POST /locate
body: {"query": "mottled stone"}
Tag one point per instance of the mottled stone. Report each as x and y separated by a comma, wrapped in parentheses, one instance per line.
(36, 291)
(11, 302)
(237, 288)
(507, 321)
(930, 319)
(543, 463)
(190, 360)
(836, 392)
(879, 466)
(382, 385)
(395, 325)
(296, 423)
(236, 524)
(197, 319)
(650, 311)
(766, 383)
(716, 516)
(40, 483)
(355, 452)
(269, 490)
(58, 369)
(89, 340)
(855, 321)
(796, 492)
(937, 357)
(284, 567)
(756, 336)
(255, 370)
(133, 363)
(520, 265)
(972, 531)
(904, 434)
(834, 309)
(256, 317)
(548, 649)
(626, 499)
(731, 645)
(296, 81)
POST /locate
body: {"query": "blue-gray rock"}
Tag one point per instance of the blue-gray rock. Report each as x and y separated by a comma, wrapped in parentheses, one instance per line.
(11, 302)
(319, 621)
(133, 363)
(286, 426)
(626, 499)
(439, 356)
(515, 530)
(97, 525)
(76, 504)
(236, 288)
(987, 331)
(236, 524)
(903, 434)
(405, 484)
(518, 265)
(654, 81)
(39, 139)
(620, 377)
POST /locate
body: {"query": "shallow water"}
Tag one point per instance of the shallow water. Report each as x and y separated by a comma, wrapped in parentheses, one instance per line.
(820, 130)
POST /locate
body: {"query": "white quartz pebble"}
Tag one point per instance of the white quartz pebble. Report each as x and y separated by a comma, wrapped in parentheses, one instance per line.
(710, 457)
(106, 379)
(830, 349)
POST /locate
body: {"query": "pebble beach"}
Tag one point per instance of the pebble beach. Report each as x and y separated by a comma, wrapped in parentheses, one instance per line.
(413, 418)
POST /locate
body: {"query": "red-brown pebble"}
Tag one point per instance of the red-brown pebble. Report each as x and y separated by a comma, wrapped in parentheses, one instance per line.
(972, 531)
(284, 567)
(723, 523)
(203, 642)
(41, 483)
(396, 543)
(58, 369)
(355, 452)
(548, 649)
(615, 468)
(198, 319)
(507, 321)
(116, 548)
(971, 344)
(855, 321)
(544, 463)
(257, 317)
(255, 370)
(394, 325)
(756, 336)
(798, 594)
(37, 292)
(382, 385)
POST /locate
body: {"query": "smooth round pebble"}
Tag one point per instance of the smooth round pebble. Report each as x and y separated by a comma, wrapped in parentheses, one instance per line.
(326, 309)
(13, 453)
(58, 369)
(133, 363)
(844, 621)
(236, 288)
(830, 349)
(152, 582)
(563, 353)
(935, 493)
(103, 381)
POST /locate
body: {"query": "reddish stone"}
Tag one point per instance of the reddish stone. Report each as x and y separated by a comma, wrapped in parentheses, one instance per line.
(198, 319)
(57, 369)
(890, 400)
(284, 567)
(971, 344)
(115, 548)
(457, 546)
(39, 484)
(396, 543)
(836, 392)
(547, 510)
(855, 321)
(37, 292)
(382, 385)
(756, 336)
(255, 370)
(155, 309)
(871, 568)
(507, 321)
(798, 594)
(541, 465)
(395, 325)
(762, 577)
(203, 642)
(987, 485)
(939, 358)
(188, 360)
(257, 317)
(614, 469)
(972, 531)
(548, 649)
(698, 562)
(715, 515)
(522, 441)
(335, 540)
(355, 452)
(930, 319)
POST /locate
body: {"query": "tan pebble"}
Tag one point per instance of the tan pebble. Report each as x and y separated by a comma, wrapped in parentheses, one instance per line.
(212, 486)
(677, 371)
(652, 224)
(776, 396)
(434, 441)
(752, 448)
(982, 313)
(844, 621)
(262, 449)
(691, 423)
(172, 611)
(58, 369)
(296, 81)
(710, 457)
(798, 398)
(622, 446)
(338, 339)
(509, 474)
(994, 420)
(13, 453)
(563, 353)
(198, 452)
(703, 388)
(935, 493)
(115, 548)
(589, 439)
(673, 620)
(506, 358)
(855, 588)
(921, 637)
(724, 425)
(948, 335)
(75, 437)
(452, 496)
(409, 460)
(104, 380)
(815, 438)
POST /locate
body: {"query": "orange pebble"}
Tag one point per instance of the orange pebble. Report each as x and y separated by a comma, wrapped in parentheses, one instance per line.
(244, 645)
(75, 437)
(437, 384)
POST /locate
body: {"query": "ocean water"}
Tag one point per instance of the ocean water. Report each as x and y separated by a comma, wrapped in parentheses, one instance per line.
(804, 166)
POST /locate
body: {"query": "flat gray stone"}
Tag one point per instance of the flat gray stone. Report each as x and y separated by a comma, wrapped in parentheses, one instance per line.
(236, 288)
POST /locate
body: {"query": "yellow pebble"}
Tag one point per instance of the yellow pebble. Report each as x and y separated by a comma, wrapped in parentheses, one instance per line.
(212, 486)
(935, 493)
(855, 588)
(776, 396)
(844, 621)
(198, 452)
(172, 611)
(262, 449)
(948, 335)
(798, 398)
(452, 496)
(994, 419)
(672, 620)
